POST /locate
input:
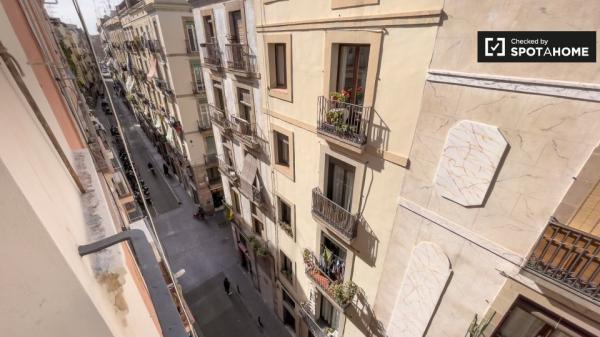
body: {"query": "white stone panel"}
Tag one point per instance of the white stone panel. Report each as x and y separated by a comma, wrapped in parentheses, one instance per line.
(469, 161)
(423, 284)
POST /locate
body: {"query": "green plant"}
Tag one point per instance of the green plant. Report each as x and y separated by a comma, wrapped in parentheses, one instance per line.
(476, 329)
(258, 247)
(342, 97)
(343, 293)
(330, 332)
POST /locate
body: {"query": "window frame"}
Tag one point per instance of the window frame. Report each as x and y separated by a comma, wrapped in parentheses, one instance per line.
(231, 7)
(333, 39)
(283, 266)
(191, 47)
(280, 199)
(271, 40)
(287, 170)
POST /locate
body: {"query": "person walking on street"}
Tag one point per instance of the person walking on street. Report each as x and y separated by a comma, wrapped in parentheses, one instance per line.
(227, 286)
(165, 169)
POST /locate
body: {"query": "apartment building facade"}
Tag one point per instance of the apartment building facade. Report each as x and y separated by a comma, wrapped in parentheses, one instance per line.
(498, 214)
(335, 105)
(59, 194)
(228, 49)
(79, 56)
(155, 57)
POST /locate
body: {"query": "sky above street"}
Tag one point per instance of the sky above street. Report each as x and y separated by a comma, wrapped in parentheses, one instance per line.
(91, 10)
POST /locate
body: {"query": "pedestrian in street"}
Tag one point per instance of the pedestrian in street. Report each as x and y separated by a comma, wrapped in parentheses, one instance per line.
(260, 324)
(165, 169)
(227, 286)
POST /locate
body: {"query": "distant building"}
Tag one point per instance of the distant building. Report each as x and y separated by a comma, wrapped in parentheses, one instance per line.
(153, 52)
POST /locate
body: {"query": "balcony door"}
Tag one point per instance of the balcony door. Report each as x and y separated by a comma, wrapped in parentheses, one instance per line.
(190, 32)
(236, 28)
(219, 99)
(340, 183)
(353, 62)
(209, 29)
(328, 314)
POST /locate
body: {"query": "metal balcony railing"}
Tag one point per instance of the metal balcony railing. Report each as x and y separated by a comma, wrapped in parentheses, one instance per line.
(204, 125)
(240, 58)
(570, 257)
(212, 54)
(311, 323)
(198, 87)
(218, 116)
(349, 122)
(242, 126)
(325, 273)
(334, 215)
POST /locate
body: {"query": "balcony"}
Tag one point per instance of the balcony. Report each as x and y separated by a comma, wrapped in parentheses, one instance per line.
(334, 217)
(212, 55)
(343, 124)
(316, 328)
(240, 59)
(228, 170)
(569, 257)
(245, 131)
(328, 275)
(219, 117)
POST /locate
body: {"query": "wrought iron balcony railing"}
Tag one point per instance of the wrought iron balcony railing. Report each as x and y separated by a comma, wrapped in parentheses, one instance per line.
(211, 53)
(348, 122)
(240, 58)
(198, 88)
(243, 128)
(204, 125)
(218, 116)
(570, 257)
(313, 326)
(334, 216)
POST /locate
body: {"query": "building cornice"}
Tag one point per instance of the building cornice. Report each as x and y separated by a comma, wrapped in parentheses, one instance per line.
(538, 86)
(424, 17)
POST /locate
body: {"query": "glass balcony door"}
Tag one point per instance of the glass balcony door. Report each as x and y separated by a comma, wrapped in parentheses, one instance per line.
(340, 183)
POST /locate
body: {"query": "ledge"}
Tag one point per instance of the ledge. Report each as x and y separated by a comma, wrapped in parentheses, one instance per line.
(574, 90)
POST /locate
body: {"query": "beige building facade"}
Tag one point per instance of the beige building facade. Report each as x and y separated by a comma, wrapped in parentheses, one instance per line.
(154, 52)
(497, 214)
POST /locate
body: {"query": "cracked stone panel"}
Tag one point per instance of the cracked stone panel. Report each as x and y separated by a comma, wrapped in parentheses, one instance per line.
(421, 289)
(469, 161)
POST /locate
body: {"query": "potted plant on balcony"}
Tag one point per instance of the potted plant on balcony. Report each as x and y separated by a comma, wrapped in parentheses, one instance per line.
(338, 113)
(343, 292)
(331, 332)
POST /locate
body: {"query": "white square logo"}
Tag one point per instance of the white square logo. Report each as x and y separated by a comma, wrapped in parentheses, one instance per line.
(495, 46)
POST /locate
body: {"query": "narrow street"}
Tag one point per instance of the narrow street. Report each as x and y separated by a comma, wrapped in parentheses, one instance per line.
(203, 248)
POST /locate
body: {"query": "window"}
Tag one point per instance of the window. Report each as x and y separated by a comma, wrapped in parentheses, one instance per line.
(280, 68)
(235, 199)
(219, 99)
(257, 226)
(289, 320)
(332, 259)
(285, 216)
(209, 29)
(287, 267)
(236, 27)
(213, 175)
(328, 314)
(190, 32)
(245, 103)
(283, 149)
(211, 148)
(340, 182)
(287, 299)
(204, 116)
(526, 319)
(197, 77)
(352, 71)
